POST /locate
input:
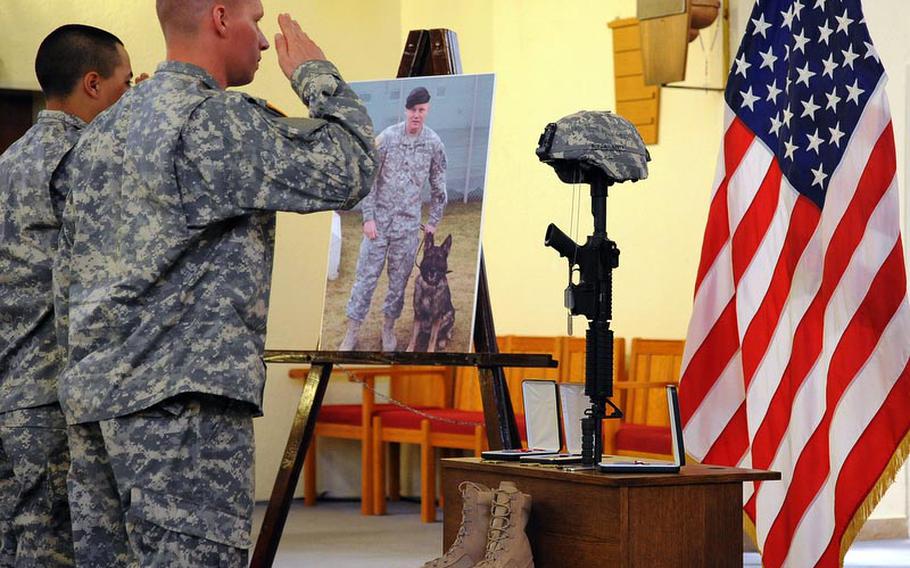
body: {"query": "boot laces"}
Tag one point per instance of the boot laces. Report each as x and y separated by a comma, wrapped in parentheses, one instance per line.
(500, 522)
(466, 519)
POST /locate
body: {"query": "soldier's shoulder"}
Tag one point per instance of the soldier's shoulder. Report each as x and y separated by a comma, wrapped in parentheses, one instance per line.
(35, 141)
(238, 101)
(432, 136)
(393, 130)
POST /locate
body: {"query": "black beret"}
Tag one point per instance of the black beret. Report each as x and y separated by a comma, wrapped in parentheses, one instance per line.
(418, 96)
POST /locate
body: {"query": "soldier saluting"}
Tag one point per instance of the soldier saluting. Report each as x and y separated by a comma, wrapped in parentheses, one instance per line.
(169, 232)
(410, 154)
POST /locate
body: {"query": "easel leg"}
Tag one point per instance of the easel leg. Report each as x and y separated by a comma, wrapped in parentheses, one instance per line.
(499, 416)
(291, 464)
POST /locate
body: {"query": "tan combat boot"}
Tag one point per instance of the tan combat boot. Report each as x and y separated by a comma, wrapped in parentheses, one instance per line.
(507, 543)
(389, 343)
(350, 337)
(471, 541)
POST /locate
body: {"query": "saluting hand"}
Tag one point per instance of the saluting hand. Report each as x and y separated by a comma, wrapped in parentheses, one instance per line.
(293, 46)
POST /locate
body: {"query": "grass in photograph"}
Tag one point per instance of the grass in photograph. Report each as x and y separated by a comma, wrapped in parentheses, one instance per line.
(462, 221)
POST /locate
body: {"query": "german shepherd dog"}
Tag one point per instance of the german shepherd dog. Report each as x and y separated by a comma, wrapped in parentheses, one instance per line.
(434, 314)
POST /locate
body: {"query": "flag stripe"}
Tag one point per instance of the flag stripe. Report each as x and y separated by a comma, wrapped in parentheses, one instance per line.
(868, 458)
(717, 409)
(853, 348)
(803, 222)
(807, 340)
(736, 143)
(710, 360)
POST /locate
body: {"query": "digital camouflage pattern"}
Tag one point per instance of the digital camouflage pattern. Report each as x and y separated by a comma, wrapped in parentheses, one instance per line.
(400, 253)
(29, 224)
(34, 511)
(183, 472)
(594, 139)
(406, 163)
(167, 243)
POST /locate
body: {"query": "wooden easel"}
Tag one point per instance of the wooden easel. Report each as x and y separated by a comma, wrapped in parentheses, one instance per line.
(429, 58)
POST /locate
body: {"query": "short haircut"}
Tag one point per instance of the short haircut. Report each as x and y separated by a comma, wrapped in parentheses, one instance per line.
(183, 16)
(71, 51)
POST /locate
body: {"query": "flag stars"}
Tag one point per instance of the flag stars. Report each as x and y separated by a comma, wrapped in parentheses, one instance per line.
(748, 99)
(820, 4)
(791, 148)
(833, 99)
(788, 18)
(814, 142)
(854, 92)
(819, 176)
(830, 66)
(761, 26)
(849, 56)
(797, 8)
(843, 23)
(801, 41)
(809, 108)
(804, 75)
(871, 52)
(773, 92)
(824, 32)
(742, 65)
(836, 135)
(768, 58)
(787, 116)
(776, 123)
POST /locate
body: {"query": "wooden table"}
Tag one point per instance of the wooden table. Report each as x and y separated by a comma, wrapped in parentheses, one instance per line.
(689, 519)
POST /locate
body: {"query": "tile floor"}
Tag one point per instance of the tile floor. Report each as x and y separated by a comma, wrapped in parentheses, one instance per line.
(336, 535)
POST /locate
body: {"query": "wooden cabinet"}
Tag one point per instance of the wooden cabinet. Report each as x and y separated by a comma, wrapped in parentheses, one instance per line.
(691, 519)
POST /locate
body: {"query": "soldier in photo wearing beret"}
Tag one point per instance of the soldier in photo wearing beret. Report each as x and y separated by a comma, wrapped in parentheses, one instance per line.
(410, 154)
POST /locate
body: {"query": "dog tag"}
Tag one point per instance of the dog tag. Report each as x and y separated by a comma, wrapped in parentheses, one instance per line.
(569, 300)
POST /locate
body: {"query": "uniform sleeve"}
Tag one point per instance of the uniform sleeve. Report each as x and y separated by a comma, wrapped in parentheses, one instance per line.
(438, 195)
(235, 155)
(368, 205)
(62, 276)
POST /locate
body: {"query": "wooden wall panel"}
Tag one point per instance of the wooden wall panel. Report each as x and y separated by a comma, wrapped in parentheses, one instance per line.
(635, 101)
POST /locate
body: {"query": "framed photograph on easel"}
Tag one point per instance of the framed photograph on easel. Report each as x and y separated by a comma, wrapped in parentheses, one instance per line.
(403, 264)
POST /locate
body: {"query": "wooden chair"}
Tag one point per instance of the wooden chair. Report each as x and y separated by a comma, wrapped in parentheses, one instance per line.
(354, 421)
(458, 428)
(645, 429)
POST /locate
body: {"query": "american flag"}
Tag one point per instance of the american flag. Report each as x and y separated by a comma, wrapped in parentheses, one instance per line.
(797, 351)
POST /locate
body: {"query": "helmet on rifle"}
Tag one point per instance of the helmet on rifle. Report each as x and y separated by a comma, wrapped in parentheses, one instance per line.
(582, 145)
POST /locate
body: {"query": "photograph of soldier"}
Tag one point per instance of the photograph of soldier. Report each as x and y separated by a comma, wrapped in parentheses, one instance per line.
(427, 197)
(163, 275)
(410, 154)
(82, 71)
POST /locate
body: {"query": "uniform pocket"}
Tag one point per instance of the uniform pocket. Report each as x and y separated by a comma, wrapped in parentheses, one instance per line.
(184, 516)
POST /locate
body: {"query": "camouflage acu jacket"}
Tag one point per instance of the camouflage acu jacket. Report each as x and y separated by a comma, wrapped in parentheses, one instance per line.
(29, 223)
(166, 248)
(405, 165)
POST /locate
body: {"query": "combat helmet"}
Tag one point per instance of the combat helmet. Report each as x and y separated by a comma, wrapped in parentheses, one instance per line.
(590, 144)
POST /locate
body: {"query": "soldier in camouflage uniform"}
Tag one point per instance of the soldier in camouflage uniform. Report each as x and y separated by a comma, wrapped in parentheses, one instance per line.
(169, 232)
(410, 154)
(82, 70)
